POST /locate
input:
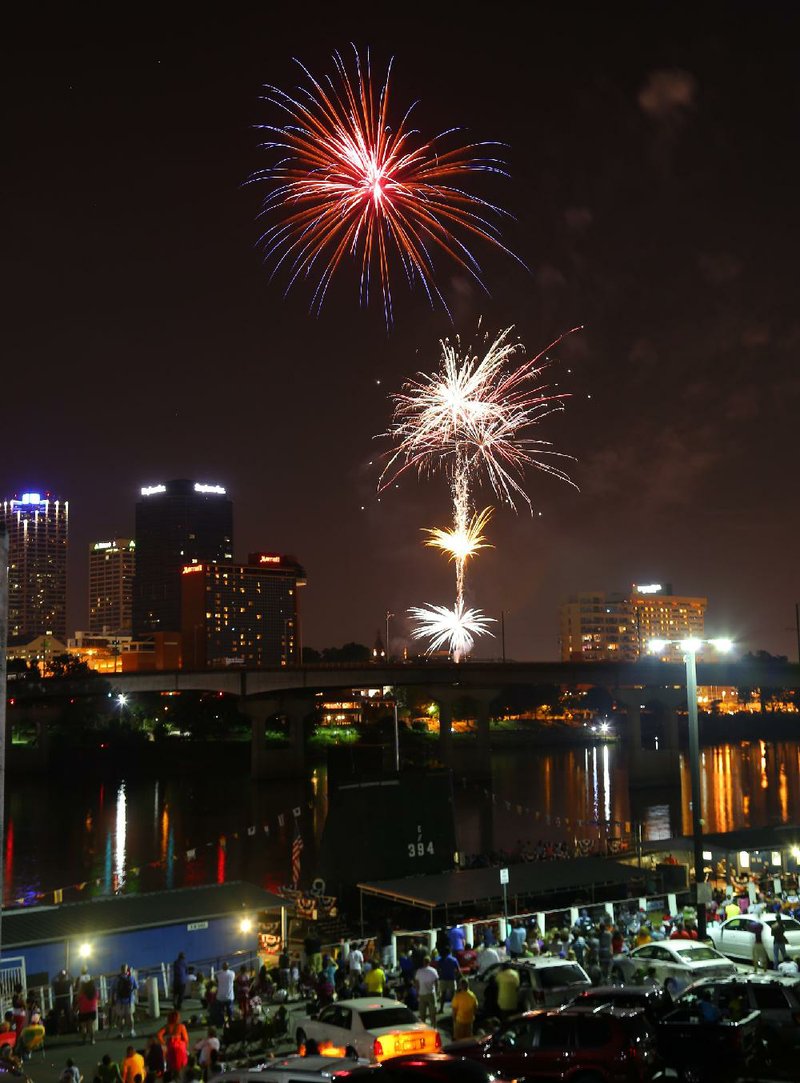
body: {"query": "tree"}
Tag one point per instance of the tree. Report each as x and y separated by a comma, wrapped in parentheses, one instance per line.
(68, 666)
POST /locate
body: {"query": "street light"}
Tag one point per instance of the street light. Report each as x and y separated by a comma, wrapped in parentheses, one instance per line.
(122, 699)
(689, 648)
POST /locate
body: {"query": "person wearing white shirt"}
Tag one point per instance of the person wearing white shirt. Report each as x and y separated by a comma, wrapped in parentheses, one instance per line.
(486, 958)
(225, 980)
(789, 967)
(205, 1045)
(355, 960)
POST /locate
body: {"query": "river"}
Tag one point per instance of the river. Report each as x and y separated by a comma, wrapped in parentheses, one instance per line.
(88, 837)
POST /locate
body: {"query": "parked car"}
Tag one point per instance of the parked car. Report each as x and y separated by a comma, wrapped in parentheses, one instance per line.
(544, 982)
(703, 1052)
(295, 1069)
(574, 1044)
(443, 1067)
(370, 1027)
(776, 998)
(654, 1000)
(675, 964)
(737, 936)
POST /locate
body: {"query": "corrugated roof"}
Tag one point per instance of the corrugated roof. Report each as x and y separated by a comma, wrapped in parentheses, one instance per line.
(529, 878)
(120, 913)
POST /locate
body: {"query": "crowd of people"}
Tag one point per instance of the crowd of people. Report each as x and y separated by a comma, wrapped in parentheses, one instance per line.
(526, 850)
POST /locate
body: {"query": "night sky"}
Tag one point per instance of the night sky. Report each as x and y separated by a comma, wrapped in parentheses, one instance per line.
(655, 171)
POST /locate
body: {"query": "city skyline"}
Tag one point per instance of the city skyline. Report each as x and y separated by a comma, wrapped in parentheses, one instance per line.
(652, 182)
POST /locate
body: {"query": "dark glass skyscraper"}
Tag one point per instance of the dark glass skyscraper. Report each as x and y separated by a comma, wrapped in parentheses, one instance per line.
(177, 523)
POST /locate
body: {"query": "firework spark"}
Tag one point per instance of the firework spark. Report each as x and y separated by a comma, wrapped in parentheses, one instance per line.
(351, 179)
(467, 418)
(456, 627)
(461, 544)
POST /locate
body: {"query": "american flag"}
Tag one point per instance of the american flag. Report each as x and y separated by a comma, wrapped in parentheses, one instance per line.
(297, 849)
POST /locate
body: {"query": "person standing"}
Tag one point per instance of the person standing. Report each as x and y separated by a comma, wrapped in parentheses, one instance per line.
(225, 984)
(449, 973)
(124, 990)
(516, 940)
(179, 974)
(375, 980)
(507, 979)
(62, 1001)
(355, 963)
(313, 949)
(778, 941)
(604, 950)
(427, 982)
(88, 1000)
(760, 957)
(465, 1008)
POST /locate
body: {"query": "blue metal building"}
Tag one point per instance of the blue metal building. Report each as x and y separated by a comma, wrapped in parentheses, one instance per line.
(208, 923)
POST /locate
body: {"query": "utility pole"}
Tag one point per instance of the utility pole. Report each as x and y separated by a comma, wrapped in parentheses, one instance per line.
(503, 633)
(797, 626)
(3, 701)
(386, 644)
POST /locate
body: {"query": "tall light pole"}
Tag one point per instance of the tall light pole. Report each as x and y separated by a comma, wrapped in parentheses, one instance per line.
(689, 649)
(3, 641)
(386, 644)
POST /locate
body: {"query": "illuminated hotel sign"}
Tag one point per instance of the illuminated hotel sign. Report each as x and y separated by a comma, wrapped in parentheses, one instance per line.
(649, 588)
(151, 490)
(30, 498)
(103, 545)
(269, 558)
(189, 568)
(198, 488)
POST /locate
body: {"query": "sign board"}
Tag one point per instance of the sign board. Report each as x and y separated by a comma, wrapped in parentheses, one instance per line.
(196, 926)
(504, 876)
(704, 893)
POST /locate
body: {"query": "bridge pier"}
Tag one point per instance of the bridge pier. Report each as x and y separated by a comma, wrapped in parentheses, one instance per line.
(268, 761)
(650, 766)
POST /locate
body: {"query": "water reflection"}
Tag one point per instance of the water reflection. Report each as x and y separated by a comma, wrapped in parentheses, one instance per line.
(120, 837)
(538, 793)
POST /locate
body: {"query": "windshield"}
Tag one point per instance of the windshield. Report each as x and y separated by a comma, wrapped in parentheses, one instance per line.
(387, 1017)
(549, 977)
(697, 955)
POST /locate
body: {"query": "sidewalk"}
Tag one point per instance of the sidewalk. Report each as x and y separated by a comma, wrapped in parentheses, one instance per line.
(47, 1068)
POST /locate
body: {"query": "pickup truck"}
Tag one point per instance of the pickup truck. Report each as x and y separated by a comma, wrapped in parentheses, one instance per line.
(700, 1051)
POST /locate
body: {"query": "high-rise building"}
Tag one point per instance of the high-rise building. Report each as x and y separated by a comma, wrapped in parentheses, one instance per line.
(600, 627)
(597, 627)
(242, 614)
(177, 523)
(111, 569)
(660, 614)
(37, 527)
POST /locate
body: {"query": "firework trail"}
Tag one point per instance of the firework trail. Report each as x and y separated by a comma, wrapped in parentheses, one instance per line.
(456, 627)
(467, 420)
(461, 544)
(351, 178)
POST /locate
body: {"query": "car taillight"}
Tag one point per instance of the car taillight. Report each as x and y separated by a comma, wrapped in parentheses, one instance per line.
(377, 1048)
(437, 1041)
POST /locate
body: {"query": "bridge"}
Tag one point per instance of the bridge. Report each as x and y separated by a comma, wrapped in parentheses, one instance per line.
(290, 692)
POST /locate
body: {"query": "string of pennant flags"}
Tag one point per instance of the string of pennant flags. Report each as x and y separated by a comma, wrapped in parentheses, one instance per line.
(289, 817)
(539, 816)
